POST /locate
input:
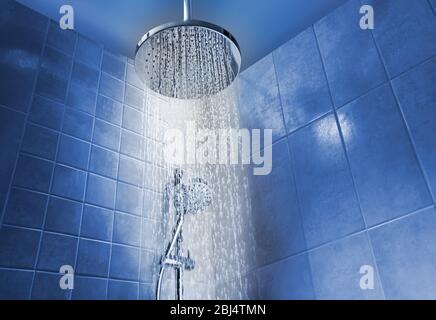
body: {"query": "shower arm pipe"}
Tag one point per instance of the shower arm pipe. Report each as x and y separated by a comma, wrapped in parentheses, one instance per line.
(187, 10)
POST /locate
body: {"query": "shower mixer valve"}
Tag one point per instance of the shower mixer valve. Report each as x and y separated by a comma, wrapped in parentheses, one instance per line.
(190, 198)
(179, 262)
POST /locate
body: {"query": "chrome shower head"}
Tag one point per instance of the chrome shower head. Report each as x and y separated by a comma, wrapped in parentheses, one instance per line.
(189, 59)
(193, 197)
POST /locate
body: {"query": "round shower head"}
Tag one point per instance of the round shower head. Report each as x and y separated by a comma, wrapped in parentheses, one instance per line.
(187, 60)
(194, 197)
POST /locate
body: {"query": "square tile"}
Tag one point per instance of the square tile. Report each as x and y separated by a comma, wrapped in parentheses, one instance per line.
(405, 253)
(386, 172)
(86, 288)
(329, 205)
(303, 86)
(25, 208)
(68, 183)
(46, 287)
(106, 135)
(131, 171)
(78, 124)
(124, 263)
(56, 251)
(133, 120)
(122, 290)
(104, 162)
(100, 191)
(73, 152)
(81, 98)
(134, 97)
(40, 141)
(46, 112)
(109, 110)
(336, 269)
(63, 216)
(349, 53)
(88, 52)
(129, 198)
(85, 76)
(111, 87)
(51, 86)
(127, 229)
(15, 285)
(132, 144)
(406, 33)
(33, 173)
(113, 65)
(18, 247)
(97, 223)
(93, 258)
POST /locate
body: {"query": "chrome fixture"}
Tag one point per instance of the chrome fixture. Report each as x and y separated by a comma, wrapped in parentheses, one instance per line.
(190, 198)
(188, 59)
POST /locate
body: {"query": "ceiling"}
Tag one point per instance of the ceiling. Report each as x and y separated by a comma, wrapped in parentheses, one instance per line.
(259, 26)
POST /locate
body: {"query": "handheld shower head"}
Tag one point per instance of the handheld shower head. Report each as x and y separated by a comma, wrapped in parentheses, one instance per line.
(193, 197)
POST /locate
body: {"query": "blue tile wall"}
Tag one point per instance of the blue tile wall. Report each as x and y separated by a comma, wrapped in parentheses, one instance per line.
(46, 287)
(87, 288)
(286, 279)
(357, 69)
(64, 114)
(359, 111)
(417, 99)
(299, 74)
(63, 216)
(335, 269)
(329, 205)
(352, 113)
(276, 214)
(20, 203)
(388, 177)
(259, 98)
(405, 34)
(21, 53)
(405, 254)
(46, 112)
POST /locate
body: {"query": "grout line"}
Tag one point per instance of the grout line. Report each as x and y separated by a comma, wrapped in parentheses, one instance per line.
(116, 185)
(26, 116)
(349, 168)
(37, 257)
(79, 236)
(328, 243)
(292, 168)
(69, 235)
(403, 117)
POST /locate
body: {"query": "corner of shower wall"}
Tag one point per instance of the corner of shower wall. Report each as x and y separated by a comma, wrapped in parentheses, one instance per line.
(81, 175)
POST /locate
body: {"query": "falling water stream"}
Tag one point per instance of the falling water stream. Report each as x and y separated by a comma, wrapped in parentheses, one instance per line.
(220, 240)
